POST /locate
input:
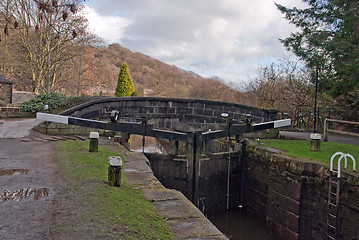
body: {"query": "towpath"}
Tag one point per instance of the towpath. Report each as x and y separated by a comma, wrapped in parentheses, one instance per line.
(27, 182)
(331, 137)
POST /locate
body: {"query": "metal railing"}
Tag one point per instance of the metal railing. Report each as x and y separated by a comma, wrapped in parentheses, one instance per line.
(335, 178)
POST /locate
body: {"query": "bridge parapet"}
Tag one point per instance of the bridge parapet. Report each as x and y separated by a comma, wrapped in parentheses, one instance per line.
(163, 112)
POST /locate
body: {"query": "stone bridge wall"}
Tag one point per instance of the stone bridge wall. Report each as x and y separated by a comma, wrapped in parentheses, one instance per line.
(165, 110)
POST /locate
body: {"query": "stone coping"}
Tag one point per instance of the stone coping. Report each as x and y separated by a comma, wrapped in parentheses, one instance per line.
(293, 164)
(165, 99)
(184, 110)
(183, 219)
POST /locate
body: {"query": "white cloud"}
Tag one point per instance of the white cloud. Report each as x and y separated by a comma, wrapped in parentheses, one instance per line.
(109, 28)
(227, 39)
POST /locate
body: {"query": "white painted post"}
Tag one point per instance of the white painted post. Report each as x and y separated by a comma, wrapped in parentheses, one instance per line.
(114, 171)
(315, 142)
(94, 136)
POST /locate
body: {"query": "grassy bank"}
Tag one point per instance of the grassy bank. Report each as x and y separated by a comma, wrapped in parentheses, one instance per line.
(300, 149)
(105, 212)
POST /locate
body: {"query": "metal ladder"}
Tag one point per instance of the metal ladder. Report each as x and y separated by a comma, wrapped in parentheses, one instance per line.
(333, 205)
(334, 195)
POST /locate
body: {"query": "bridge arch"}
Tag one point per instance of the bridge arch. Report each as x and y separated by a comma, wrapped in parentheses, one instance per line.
(164, 111)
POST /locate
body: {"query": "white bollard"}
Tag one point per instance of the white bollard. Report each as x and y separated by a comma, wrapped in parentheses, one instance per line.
(94, 136)
(114, 171)
(315, 142)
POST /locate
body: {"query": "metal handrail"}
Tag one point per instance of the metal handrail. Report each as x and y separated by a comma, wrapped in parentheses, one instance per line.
(342, 155)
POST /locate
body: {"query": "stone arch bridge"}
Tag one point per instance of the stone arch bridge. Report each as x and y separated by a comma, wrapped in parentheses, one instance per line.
(189, 120)
(192, 121)
(166, 112)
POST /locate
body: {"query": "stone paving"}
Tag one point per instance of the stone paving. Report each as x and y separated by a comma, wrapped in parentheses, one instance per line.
(16, 128)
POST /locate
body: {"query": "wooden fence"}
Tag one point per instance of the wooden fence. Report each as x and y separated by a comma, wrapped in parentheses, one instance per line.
(327, 130)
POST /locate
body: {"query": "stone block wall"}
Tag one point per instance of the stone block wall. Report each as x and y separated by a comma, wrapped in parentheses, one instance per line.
(5, 92)
(21, 96)
(163, 111)
(65, 129)
(11, 111)
(290, 195)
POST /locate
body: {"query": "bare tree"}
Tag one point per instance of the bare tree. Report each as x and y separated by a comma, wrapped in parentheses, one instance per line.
(267, 88)
(48, 31)
(285, 86)
(214, 89)
(12, 65)
(84, 66)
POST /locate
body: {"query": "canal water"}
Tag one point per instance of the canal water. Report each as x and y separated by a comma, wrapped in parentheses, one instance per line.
(151, 145)
(237, 224)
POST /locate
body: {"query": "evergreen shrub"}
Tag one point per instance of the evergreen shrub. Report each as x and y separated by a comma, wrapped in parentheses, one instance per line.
(53, 99)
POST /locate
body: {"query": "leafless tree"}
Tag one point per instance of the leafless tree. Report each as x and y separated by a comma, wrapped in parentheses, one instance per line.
(285, 86)
(48, 32)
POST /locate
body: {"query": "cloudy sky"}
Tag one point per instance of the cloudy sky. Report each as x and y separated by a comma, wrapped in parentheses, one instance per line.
(228, 38)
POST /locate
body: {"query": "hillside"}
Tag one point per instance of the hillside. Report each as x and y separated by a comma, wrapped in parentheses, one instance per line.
(94, 70)
(151, 77)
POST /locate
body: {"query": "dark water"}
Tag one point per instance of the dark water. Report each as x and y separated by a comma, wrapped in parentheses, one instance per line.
(238, 224)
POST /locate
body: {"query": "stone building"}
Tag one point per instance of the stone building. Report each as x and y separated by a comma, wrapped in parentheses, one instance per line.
(5, 91)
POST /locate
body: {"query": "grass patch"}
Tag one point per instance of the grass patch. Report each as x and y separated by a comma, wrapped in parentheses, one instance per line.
(124, 209)
(300, 149)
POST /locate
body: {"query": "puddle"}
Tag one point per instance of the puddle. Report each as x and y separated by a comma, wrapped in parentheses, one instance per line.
(130, 170)
(24, 193)
(4, 172)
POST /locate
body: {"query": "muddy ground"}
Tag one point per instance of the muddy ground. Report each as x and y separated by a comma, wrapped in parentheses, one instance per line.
(36, 202)
(28, 184)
